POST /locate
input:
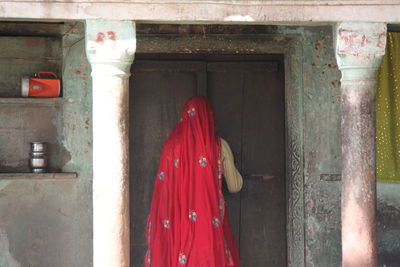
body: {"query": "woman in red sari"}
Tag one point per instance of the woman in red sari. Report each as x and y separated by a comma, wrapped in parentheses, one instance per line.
(188, 224)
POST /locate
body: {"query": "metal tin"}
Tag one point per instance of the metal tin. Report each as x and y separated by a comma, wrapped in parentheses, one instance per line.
(38, 147)
(38, 157)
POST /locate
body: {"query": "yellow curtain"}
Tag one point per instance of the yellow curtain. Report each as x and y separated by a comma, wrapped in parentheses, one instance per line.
(388, 113)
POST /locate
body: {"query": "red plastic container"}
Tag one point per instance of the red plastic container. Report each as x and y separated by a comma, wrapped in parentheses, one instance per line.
(44, 84)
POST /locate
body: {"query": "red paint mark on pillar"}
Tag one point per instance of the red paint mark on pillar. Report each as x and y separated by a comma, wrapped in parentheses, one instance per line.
(100, 38)
(381, 40)
(111, 35)
(363, 40)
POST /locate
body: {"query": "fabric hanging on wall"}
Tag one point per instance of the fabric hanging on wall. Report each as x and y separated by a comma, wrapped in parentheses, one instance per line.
(388, 113)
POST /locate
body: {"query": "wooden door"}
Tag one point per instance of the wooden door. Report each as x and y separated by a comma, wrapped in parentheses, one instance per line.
(248, 97)
(249, 102)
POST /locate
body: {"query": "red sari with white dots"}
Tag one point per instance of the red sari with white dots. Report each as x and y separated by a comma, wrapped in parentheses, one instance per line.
(188, 224)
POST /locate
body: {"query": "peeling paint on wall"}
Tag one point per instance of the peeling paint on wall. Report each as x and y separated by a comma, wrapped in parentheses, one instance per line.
(321, 148)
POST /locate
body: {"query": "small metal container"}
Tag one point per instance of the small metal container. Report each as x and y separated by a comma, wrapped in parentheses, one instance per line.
(38, 147)
(38, 157)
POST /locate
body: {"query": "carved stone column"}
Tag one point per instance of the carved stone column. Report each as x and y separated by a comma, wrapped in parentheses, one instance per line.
(110, 47)
(359, 50)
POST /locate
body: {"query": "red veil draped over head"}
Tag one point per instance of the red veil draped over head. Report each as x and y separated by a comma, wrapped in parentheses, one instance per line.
(188, 224)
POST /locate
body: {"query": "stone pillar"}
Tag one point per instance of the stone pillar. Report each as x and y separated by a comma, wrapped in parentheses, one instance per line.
(359, 50)
(110, 47)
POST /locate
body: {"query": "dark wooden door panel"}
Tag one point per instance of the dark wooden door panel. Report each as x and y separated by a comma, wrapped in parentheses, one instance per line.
(225, 90)
(263, 203)
(159, 90)
(249, 102)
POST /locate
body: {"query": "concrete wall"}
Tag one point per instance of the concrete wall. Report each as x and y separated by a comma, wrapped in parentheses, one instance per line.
(47, 223)
(25, 122)
(322, 152)
(322, 156)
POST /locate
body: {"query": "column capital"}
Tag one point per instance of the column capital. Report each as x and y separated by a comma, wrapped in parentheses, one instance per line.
(359, 48)
(110, 46)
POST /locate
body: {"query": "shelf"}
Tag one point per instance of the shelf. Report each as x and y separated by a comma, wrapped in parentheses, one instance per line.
(39, 176)
(30, 100)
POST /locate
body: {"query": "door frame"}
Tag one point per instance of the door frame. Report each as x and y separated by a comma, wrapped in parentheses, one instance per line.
(290, 45)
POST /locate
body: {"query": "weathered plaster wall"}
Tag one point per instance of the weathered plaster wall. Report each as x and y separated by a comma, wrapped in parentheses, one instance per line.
(47, 223)
(322, 159)
(322, 152)
(22, 123)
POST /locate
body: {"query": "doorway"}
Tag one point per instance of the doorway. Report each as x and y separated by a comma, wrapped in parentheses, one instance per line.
(247, 92)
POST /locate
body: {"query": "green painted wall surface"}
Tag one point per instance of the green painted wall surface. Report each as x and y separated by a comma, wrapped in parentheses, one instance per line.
(22, 123)
(322, 156)
(76, 138)
(23, 56)
(322, 152)
(49, 223)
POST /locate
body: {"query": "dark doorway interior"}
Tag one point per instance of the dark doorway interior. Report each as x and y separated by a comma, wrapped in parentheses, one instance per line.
(248, 95)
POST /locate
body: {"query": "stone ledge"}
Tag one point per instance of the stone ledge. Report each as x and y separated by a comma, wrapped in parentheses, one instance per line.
(39, 176)
(33, 101)
(271, 12)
